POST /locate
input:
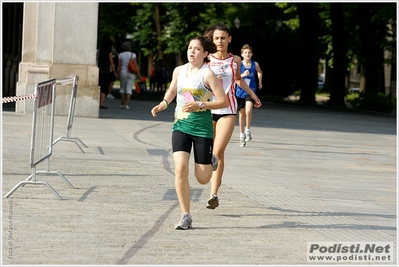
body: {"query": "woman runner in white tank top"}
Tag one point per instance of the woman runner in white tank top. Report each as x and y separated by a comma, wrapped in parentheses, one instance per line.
(227, 68)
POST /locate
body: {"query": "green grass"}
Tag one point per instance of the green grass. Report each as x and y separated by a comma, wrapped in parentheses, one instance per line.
(323, 94)
(327, 94)
(351, 96)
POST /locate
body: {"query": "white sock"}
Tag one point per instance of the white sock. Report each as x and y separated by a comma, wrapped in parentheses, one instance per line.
(242, 135)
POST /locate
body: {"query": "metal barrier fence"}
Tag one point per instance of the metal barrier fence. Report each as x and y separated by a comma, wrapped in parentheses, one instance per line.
(42, 135)
(68, 138)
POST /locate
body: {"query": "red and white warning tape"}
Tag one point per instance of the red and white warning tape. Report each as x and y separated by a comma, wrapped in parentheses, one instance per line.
(10, 99)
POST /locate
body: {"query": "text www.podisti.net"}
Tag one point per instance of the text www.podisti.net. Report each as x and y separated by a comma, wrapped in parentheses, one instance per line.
(350, 252)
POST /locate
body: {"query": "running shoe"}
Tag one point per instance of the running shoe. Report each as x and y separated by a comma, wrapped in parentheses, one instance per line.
(242, 141)
(248, 136)
(127, 107)
(213, 202)
(122, 106)
(214, 163)
(185, 222)
(109, 96)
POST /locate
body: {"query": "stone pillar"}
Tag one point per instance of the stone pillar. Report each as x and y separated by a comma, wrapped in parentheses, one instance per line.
(59, 40)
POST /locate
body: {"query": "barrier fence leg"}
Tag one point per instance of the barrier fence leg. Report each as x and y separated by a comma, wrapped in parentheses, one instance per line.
(71, 139)
(34, 182)
(59, 174)
(47, 171)
(64, 81)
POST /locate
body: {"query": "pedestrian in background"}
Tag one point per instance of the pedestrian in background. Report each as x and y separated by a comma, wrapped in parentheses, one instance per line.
(192, 127)
(162, 77)
(249, 70)
(154, 76)
(226, 67)
(114, 77)
(105, 63)
(126, 78)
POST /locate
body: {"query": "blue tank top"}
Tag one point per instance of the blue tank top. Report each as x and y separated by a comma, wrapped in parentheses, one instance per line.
(249, 80)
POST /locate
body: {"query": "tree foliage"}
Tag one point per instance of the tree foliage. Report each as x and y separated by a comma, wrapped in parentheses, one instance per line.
(362, 33)
(288, 38)
(111, 24)
(144, 33)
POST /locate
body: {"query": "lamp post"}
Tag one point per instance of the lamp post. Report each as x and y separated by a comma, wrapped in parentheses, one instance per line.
(237, 23)
(279, 24)
(202, 26)
(235, 45)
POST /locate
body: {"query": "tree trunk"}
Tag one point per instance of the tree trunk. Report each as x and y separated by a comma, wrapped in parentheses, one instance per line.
(338, 88)
(370, 48)
(392, 83)
(150, 60)
(381, 72)
(309, 61)
(328, 78)
(159, 33)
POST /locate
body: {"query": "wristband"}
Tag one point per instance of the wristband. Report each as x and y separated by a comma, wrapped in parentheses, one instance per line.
(166, 102)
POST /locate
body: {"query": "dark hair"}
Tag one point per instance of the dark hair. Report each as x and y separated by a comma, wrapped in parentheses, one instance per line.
(207, 44)
(126, 46)
(107, 43)
(208, 33)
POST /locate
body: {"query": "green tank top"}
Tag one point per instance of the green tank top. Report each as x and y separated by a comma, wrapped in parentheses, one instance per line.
(199, 122)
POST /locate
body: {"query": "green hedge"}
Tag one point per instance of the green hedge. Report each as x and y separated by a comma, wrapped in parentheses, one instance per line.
(379, 102)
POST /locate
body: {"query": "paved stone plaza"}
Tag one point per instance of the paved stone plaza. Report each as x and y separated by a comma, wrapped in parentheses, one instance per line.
(309, 175)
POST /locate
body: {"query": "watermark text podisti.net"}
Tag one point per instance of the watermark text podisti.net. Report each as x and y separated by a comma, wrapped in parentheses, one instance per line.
(350, 252)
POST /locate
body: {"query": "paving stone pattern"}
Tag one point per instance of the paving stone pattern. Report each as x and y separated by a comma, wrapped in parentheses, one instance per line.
(309, 175)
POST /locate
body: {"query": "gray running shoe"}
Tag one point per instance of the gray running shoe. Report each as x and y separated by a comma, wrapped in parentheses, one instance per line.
(242, 141)
(185, 222)
(248, 136)
(214, 163)
(213, 202)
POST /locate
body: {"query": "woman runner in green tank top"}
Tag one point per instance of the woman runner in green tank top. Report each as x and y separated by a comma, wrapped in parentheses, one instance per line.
(192, 126)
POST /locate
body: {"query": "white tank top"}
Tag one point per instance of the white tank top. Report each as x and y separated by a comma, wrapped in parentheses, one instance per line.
(225, 70)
